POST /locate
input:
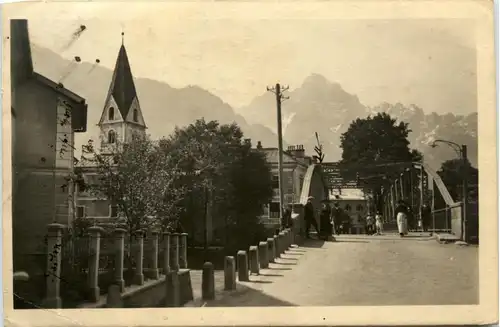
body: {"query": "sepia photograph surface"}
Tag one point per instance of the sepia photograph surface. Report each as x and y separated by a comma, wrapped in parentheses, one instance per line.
(224, 163)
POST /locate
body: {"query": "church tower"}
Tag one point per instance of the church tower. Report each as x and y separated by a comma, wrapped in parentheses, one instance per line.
(122, 116)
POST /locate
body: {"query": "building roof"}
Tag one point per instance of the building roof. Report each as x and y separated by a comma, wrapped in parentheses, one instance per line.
(272, 157)
(347, 194)
(122, 86)
(22, 71)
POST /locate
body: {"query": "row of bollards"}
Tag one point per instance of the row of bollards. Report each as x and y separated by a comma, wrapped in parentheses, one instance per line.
(258, 258)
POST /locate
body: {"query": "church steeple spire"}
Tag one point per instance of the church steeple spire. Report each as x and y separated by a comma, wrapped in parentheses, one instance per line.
(122, 113)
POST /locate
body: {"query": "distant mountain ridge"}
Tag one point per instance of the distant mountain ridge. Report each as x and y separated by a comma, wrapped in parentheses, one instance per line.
(163, 106)
(318, 105)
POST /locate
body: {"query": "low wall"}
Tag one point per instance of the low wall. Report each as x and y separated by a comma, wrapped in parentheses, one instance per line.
(150, 295)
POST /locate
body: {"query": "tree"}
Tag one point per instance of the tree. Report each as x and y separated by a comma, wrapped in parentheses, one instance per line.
(372, 142)
(137, 178)
(451, 172)
(377, 139)
(226, 178)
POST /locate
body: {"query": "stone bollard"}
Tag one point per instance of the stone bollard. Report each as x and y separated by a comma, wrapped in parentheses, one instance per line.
(253, 254)
(264, 263)
(119, 235)
(287, 239)
(183, 254)
(153, 272)
(229, 274)
(114, 297)
(172, 289)
(53, 274)
(93, 276)
(242, 266)
(166, 253)
(208, 282)
(283, 246)
(139, 258)
(271, 250)
(277, 246)
(174, 252)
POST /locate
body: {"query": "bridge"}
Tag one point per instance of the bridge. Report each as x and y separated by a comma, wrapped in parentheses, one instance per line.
(415, 182)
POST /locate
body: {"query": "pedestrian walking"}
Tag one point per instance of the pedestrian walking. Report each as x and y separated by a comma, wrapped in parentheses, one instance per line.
(401, 212)
(426, 218)
(324, 220)
(336, 214)
(379, 223)
(370, 224)
(346, 223)
(309, 217)
(287, 216)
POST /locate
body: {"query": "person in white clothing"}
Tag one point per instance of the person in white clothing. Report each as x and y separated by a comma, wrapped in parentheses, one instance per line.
(378, 223)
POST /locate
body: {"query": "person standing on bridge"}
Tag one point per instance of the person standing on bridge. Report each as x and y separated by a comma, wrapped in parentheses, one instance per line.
(426, 218)
(324, 220)
(309, 217)
(379, 223)
(337, 218)
(401, 212)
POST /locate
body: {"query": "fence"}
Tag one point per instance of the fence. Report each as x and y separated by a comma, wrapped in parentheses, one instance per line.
(83, 268)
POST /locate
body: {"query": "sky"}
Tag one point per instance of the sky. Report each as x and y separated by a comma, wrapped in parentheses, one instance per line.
(235, 51)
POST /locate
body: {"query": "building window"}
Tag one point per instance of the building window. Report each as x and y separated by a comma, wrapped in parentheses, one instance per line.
(274, 210)
(111, 137)
(111, 113)
(276, 183)
(113, 211)
(80, 211)
(359, 207)
(347, 207)
(136, 115)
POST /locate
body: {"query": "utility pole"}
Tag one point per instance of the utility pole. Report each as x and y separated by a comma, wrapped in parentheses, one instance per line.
(465, 193)
(278, 91)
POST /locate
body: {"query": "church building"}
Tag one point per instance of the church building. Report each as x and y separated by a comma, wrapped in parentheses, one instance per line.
(121, 118)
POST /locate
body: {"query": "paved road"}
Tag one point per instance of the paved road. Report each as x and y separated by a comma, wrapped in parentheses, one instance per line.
(365, 270)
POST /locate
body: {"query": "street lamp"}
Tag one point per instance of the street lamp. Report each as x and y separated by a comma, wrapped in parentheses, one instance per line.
(461, 150)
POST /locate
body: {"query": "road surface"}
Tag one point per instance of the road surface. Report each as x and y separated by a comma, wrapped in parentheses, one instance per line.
(365, 270)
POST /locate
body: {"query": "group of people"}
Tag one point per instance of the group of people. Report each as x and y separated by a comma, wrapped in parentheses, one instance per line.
(374, 225)
(331, 220)
(336, 221)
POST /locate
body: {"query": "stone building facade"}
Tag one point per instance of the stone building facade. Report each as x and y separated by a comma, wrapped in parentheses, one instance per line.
(45, 117)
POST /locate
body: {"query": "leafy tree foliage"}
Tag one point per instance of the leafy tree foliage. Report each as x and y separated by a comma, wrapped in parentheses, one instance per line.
(139, 179)
(227, 179)
(451, 172)
(376, 140)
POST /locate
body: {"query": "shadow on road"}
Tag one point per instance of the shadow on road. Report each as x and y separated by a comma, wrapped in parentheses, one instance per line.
(313, 244)
(248, 297)
(274, 268)
(294, 259)
(272, 275)
(295, 253)
(285, 263)
(260, 281)
(352, 241)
